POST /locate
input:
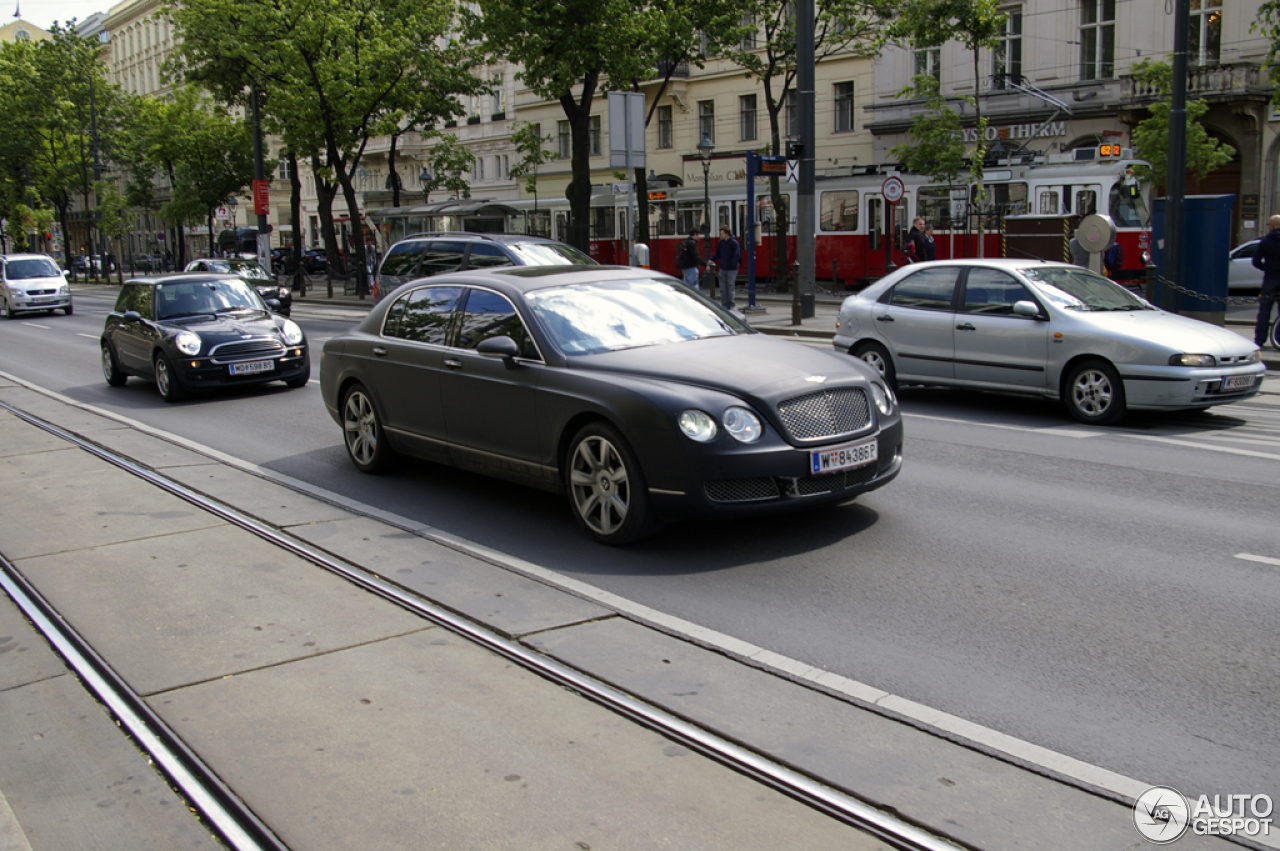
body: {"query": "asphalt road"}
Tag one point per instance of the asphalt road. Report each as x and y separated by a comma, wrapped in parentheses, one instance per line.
(1078, 588)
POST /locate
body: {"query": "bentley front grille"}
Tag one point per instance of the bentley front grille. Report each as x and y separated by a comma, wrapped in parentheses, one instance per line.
(826, 414)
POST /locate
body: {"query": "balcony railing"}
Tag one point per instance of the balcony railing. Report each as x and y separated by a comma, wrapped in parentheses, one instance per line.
(676, 69)
(1204, 82)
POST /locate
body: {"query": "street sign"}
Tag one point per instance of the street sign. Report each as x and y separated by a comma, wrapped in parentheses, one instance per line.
(773, 165)
(261, 197)
(793, 171)
(893, 189)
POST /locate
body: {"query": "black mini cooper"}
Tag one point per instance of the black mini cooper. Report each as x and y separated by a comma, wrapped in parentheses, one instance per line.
(199, 331)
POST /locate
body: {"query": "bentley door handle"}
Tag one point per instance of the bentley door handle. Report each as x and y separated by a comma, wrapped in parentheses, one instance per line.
(380, 351)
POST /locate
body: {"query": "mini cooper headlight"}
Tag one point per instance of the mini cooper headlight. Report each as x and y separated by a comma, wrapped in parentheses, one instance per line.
(743, 425)
(698, 425)
(292, 333)
(883, 398)
(1192, 360)
(188, 343)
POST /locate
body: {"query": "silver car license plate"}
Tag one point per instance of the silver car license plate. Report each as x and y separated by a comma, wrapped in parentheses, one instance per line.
(252, 367)
(844, 457)
(1237, 382)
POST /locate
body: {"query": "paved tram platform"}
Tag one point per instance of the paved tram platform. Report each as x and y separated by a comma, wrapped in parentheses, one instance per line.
(345, 721)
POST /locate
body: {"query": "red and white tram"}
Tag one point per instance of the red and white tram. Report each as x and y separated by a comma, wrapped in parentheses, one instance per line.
(853, 215)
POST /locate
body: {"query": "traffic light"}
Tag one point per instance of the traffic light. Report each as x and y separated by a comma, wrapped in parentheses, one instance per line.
(795, 150)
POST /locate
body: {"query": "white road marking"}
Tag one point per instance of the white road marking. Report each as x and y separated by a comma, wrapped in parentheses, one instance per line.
(1263, 559)
(1231, 450)
(34, 325)
(90, 336)
(1060, 431)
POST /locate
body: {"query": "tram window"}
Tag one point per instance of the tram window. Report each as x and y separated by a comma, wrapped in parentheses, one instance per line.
(934, 204)
(689, 216)
(602, 223)
(1049, 203)
(1087, 200)
(1126, 206)
(539, 222)
(773, 221)
(662, 218)
(1003, 199)
(839, 211)
(562, 226)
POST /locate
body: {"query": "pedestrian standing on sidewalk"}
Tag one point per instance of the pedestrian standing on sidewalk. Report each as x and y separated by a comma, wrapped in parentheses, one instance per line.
(1267, 258)
(689, 259)
(931, 246)
(728, 259)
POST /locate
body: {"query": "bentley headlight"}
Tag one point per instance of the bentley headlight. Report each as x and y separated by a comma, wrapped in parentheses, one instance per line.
(282, 292)
(1192, 360)
(188, 343)
(883, 398)
(698, 425)
(744, 425)
(292, 332)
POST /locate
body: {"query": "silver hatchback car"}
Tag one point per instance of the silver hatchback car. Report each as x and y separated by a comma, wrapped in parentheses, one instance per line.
(33, 282)
(1045, 329)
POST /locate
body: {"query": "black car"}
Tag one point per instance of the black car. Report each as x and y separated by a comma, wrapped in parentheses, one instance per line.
(314, 261)
(278, 298)
(621, 387)
(426, 254)
(199, 331)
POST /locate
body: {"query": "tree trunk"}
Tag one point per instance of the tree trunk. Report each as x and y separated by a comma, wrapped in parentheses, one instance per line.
(579, 115)
(295, 211)
(353, 212)
(324, 205)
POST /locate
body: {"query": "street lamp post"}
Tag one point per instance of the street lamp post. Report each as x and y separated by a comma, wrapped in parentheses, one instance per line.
(424, 180)
(705, 149)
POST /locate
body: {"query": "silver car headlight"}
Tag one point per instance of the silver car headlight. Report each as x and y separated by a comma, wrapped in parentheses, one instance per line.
(698, 425)
(14, 292)
(883, 397)
(282, 293)
(292, 333)
(1256, 356)
(188, 343)
(1192, 360)
(743, 425)
(65, 289)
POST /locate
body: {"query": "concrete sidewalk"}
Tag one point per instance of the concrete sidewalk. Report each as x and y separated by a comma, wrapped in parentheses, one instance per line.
(345, 721)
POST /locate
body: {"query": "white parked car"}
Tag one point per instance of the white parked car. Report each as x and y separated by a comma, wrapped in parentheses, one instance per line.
(1045, 329)
(1241, 274)
(33, 282)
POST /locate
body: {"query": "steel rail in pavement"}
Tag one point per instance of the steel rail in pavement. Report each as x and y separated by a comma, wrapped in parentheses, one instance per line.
(836, 804)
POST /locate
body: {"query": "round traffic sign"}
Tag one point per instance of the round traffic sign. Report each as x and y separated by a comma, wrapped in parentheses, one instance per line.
(893, 189)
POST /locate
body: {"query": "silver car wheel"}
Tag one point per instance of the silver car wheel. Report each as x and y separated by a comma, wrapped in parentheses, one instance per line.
(601, 488)
(1092, 392)
(360, 429)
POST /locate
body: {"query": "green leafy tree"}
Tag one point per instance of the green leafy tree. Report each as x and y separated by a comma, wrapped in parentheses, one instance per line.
(448, 160)
(528, 144)
(1151, 136)
(937, 145)
(975, 24)
(115, 219)
(766, 49)
(338, 72)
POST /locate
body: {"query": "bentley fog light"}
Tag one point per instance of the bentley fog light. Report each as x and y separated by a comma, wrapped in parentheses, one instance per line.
(883, 398)
(698, 425)
(292, 333)
(743, 425)
(1192, 360)
(188, 343)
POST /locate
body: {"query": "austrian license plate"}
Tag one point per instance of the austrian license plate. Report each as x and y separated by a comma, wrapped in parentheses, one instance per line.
(1237, 382)
(252, 367)
(844, 457)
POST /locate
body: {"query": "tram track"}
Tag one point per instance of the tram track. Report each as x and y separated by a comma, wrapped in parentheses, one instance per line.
(242, 829)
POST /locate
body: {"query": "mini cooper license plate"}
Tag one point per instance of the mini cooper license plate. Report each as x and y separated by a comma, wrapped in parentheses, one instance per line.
(844, 457)
(252, 367)
(1237, 382)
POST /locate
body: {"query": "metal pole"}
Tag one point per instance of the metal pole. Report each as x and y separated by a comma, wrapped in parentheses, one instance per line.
(1176, 175)
(259, 173)
(97, 178)
(750, 249)
(706, 227)
(805, 246)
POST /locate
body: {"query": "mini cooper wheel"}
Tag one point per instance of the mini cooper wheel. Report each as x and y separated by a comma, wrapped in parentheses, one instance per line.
(606, 487)
(167, 380)
(1094, 393)
(362, 431)
(877, 357)
(110, 369)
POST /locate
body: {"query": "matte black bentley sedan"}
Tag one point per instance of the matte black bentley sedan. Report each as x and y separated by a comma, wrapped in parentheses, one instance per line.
(621, 387)
(200, 331)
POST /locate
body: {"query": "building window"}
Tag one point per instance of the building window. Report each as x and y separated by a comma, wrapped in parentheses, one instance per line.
(22, 35)
(1006, 56)
(707, 120)
(562, 131)
(747, 117)
(1097, 39)
(666, 133)
(479, 168)
(499, 97)
(844, 107)
(1204, 35)
(792, 107)
(929, 62)
(748, 42)
(283, 172)
(594, 133)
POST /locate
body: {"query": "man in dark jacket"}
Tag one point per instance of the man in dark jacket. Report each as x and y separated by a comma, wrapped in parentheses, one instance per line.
(916, 247)
(1267, 258)
(688, 258)
(728, 259)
